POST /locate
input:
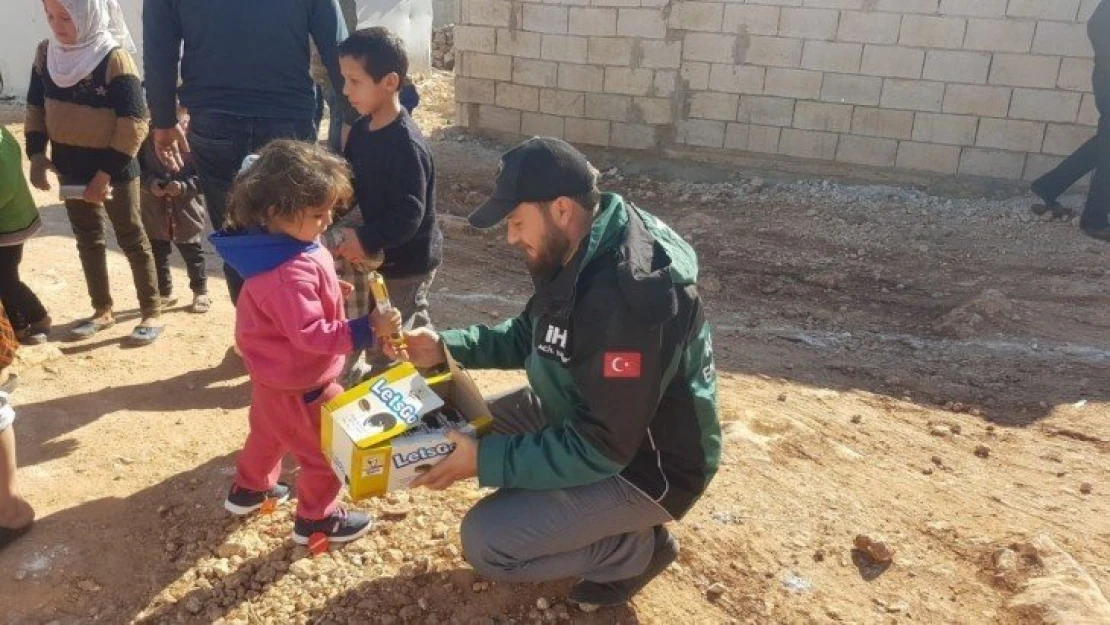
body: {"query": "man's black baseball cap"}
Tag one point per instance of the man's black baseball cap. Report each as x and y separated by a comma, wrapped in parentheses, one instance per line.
(538, 170)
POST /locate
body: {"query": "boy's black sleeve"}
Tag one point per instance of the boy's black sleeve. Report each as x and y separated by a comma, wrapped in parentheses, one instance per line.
(395, 222)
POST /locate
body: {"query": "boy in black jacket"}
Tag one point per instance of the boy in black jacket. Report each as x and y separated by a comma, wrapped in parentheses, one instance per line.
(394, 176)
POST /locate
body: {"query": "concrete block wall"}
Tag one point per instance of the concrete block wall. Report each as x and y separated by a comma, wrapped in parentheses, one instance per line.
(996, 88)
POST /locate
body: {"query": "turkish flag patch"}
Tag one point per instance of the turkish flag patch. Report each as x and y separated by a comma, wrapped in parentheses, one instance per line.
(622, 365)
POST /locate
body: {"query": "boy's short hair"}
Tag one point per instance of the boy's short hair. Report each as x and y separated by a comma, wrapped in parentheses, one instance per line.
(380, 51)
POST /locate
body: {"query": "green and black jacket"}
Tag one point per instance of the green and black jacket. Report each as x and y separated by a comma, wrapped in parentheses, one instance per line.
(618, 350)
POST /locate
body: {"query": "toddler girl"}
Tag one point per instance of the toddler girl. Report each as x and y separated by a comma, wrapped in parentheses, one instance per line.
(291, 329)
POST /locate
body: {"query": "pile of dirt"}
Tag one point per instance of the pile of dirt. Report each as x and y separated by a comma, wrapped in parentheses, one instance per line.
(989, 311)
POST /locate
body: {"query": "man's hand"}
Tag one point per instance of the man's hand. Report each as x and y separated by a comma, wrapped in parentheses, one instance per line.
(350, 248)
(98, 188)
(175, 188)
(423, 347)
(158, 188)
(460, 464)
(169, 145)
(39, 166)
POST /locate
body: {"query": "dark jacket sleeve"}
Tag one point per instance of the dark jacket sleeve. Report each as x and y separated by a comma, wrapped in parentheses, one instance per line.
(619, 370)
(397, 221)
(161, 54)
(328, 31)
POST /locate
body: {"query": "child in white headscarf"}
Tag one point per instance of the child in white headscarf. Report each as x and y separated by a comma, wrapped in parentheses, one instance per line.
(86, 102)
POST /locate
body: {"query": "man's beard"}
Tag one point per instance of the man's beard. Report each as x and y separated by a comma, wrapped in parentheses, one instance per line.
(550, 257)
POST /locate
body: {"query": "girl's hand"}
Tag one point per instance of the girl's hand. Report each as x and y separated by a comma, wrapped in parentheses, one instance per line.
(346, 288)
(174, 189)
(157, 188)
(385, 326)
(39, 166)
(98, 189)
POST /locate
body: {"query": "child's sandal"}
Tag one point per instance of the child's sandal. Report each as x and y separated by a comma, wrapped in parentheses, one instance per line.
(89, 327)
(144, 335)
(201, 304)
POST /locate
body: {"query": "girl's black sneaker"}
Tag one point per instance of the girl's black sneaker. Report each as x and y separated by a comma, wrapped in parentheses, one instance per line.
(241, 501)
(342, 526)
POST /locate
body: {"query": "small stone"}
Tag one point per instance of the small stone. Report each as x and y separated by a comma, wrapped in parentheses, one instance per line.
(856, 418)
(193, 605)
(982, 451)
(302, 569)
(1086, 488)
(927, 470)
(937, 461)
(941, 430)
(782, 397)
(715, 591)
(588, 607)
(875, 549)
(21, 575)
(542, 604)
(955, 428)
(88, 585)
(897, 607)
(1005, 560)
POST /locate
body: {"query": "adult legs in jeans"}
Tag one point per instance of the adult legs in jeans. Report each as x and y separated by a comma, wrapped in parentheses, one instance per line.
(1053, 184)
(87, 221)
(23, 306)
(219, 143)
(601, 532)
(1095, 214)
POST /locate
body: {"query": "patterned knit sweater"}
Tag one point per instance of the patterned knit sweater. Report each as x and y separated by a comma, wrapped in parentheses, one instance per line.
(96, 125)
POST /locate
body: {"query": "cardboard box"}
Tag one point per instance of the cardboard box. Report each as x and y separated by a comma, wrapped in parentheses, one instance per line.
(383, 433)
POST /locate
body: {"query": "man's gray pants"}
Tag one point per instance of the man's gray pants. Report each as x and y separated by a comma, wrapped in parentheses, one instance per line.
(600, 532)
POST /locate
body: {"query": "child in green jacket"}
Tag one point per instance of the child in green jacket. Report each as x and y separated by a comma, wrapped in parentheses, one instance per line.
(19, 221)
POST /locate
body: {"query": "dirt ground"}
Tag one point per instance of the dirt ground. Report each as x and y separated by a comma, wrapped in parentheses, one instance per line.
(928, 369)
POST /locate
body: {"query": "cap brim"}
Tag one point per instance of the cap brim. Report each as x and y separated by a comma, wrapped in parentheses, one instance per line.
(491, 212)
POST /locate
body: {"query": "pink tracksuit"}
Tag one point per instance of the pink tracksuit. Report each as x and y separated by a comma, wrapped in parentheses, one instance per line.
(292, 330)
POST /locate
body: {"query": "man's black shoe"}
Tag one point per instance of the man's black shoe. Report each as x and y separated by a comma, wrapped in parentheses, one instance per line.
(621, 592)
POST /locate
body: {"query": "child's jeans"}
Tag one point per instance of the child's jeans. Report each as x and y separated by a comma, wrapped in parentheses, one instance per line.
(283, 422)
(87, 221)
(192, 253)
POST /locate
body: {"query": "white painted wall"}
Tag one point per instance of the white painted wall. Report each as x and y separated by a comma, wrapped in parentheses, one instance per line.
(23, 26)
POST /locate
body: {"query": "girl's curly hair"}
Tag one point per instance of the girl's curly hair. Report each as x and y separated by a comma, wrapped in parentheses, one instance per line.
(287, 178)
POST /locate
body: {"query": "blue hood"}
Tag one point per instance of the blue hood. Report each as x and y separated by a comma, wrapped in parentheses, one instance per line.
(253, 253)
